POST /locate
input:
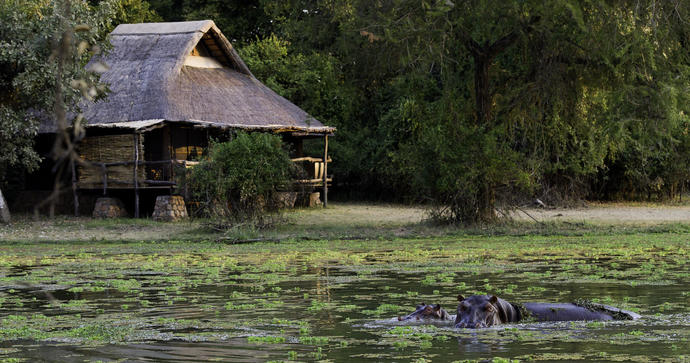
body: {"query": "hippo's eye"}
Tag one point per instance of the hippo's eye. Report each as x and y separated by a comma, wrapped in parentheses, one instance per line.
(489, 307)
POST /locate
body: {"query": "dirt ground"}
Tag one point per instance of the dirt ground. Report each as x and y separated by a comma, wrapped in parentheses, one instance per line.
(612, 214)
(598, 213)
(339, 219)
(25, 229)
(358, 214)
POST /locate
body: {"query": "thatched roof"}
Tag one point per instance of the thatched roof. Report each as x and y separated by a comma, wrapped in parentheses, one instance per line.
(188, 72)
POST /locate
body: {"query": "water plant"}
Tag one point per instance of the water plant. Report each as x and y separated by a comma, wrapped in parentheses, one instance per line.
(298, 296)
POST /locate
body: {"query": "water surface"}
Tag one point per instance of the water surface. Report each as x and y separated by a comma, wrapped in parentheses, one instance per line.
(337, 300)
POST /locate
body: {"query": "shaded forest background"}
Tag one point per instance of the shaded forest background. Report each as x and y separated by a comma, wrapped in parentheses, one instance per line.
(468, 105)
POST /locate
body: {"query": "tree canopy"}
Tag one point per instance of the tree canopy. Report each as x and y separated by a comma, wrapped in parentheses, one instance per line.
(30, 33)
(466, 105)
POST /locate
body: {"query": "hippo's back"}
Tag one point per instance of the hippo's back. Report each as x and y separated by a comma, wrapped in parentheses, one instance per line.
(563, 312)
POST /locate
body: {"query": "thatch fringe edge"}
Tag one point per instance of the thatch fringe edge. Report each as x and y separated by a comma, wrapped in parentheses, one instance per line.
(143, 125)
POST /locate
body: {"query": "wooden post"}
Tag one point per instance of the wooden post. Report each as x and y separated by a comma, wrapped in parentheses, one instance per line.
(105, 179)
(172, 173)
(74, 190)
(186, 183)
(325, 171)
(136, 179)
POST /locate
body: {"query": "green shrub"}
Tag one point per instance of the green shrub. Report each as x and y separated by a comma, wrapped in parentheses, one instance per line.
(238, 180)
(464, 172)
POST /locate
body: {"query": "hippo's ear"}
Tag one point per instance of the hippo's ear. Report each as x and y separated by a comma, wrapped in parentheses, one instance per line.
(460, 297)
(437, 307)
(493, 299)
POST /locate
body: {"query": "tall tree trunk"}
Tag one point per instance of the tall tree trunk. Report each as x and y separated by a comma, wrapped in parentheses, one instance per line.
(483, 56)
(483, 99)
(4, 210)
(486, 203)
(482, 91)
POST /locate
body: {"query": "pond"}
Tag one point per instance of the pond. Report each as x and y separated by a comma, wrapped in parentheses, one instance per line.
(337, 300)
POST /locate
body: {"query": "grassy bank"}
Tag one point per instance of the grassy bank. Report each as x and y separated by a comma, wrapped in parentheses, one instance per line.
(341, 221)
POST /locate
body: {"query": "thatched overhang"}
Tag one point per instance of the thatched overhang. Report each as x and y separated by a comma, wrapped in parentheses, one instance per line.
(148, 125)
(187, 73)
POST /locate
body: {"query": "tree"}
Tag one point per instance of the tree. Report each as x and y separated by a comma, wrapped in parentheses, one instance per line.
(536, 77)
(44, 47)
(313, 81)
(241, 21)
(477, 104)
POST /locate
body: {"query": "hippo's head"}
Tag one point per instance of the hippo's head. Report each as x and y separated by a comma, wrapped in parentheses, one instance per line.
(477, 311)
(426, 312)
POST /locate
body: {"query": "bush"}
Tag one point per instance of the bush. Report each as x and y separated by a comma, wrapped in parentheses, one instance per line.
(465, 173)
(238, 180)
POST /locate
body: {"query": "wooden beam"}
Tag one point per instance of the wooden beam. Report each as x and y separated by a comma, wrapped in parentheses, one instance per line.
(160, 182)
(316, 181)
(325, 171)
(105, 179)
(113, 182)
(153, 162)
(310, 134)
(74, 190)
(310, 159)
(136, 179)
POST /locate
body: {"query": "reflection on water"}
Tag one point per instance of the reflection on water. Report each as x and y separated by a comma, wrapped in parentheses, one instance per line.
(187, 311)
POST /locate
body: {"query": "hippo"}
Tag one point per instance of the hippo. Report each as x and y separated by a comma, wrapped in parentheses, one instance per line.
(427, 312)
(481, 311)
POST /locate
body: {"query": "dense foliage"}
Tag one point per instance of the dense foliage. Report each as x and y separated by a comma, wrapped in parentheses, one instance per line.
(477, 104)
(41, 53)
(239, 179)
(469, 106)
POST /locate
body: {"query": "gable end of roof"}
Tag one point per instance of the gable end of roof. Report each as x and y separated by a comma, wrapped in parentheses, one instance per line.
(163, 28)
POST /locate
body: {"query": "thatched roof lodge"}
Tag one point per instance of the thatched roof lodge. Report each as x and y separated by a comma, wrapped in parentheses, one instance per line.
(172, 86)
(188, 72)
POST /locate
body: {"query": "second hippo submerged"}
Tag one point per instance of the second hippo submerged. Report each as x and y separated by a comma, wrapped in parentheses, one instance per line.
(481, 311)
(427, 313)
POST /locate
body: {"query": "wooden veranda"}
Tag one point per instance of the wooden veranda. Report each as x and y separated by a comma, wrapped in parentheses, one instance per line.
(161, 174)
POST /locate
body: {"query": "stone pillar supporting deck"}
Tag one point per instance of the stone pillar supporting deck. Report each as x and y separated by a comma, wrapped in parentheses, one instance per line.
(109, 208)
(169, 208)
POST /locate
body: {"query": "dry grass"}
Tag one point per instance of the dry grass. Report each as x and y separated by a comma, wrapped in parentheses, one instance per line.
(64, 228)
(614, 213)
(353, 221)
(365, 215)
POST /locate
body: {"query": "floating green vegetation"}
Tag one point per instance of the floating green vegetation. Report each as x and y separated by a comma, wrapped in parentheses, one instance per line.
(101, 332)
(265, 339)
(303, 300)
(74, 304)
(316, 305)
(124, 285)
(313, 340)
(232, 306)
(596, 324)
(383, 309)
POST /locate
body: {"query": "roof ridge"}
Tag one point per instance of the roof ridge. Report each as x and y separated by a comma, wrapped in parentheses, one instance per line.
(171, 28)
(143, 34)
